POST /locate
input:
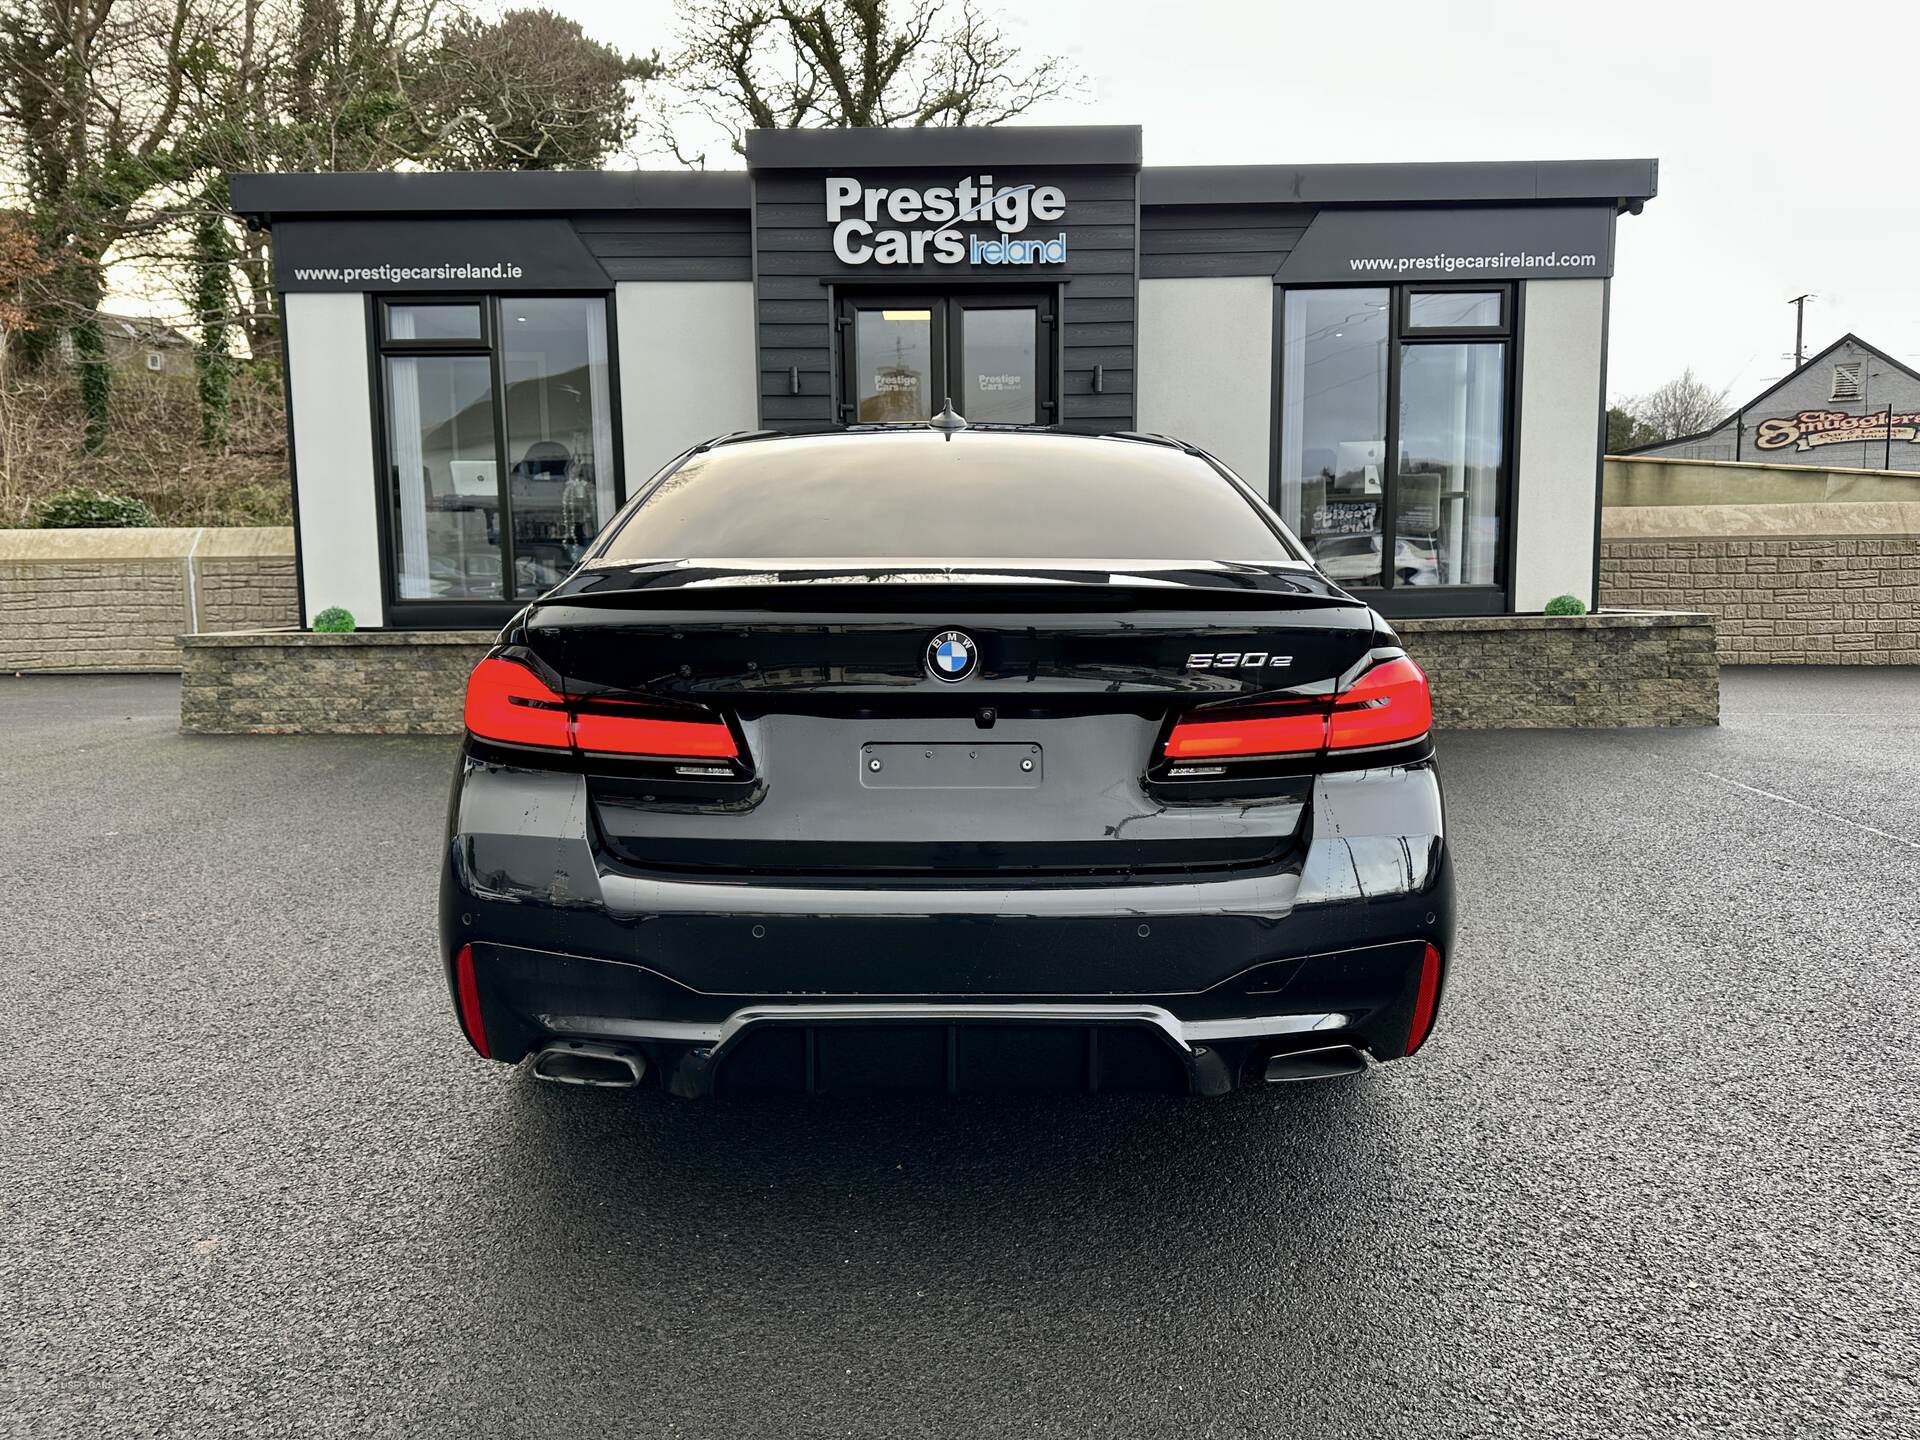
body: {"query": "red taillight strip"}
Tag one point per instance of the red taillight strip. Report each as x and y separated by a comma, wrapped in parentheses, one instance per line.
(1424, 1000)
(1390, 704)
(1247, 737)
(468, 990)
(507, 703)
(603, 734)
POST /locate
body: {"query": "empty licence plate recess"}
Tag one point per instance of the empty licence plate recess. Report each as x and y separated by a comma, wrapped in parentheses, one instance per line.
(948, 766)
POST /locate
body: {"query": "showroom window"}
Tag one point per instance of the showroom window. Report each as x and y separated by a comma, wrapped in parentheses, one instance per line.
(498, 446)
(1421, 374)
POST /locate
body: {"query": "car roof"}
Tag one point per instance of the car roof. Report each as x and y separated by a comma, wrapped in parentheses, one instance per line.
(1010, 442)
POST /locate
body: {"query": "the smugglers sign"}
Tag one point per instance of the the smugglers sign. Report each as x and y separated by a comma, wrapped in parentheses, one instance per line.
(1813, 428)
(910, 225)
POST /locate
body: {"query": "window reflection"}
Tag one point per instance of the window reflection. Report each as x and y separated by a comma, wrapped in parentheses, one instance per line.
(893, 353)
(1334, 427)
(1452, 442)
(455, 474)
(1453, 309)
(998, 366)
(433, 322)
(445, 488)
(559, 433)
(1449, 434)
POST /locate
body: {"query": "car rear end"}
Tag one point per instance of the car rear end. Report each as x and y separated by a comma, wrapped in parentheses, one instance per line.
(871, 762)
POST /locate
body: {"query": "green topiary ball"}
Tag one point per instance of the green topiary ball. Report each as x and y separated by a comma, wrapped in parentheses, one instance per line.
(1566, 605)
(333, 621)
(79, 508)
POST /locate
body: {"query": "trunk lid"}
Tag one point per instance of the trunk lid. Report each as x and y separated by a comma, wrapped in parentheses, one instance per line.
(863, 761)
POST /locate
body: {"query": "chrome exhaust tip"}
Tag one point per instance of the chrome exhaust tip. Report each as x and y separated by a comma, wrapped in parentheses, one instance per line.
(589, 1062)
(1324, 1063)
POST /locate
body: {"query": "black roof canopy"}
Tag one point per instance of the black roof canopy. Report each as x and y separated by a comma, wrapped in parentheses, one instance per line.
(1626, 184)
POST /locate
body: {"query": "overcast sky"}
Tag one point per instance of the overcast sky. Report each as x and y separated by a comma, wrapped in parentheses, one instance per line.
(1780, 131)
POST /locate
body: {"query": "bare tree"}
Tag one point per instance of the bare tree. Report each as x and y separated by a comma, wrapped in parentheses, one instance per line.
(1685, 405)
(781, 65)
(529, 91)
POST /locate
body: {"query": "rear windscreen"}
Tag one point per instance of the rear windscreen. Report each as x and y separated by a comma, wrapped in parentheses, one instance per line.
(918, 494)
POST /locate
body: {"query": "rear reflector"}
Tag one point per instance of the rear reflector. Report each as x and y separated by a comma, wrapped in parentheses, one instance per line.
(1423, 1000)
(509, 704)
(1389, 705)
(468, 991)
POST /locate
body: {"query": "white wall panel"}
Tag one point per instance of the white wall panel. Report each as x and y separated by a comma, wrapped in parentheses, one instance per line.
(1561, 400)
(1205, 367)
(333, 456)
(687, 367)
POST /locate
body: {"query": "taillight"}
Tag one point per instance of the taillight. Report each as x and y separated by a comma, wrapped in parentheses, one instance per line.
(609, 733)
(508, 703)
(1424, 999)
(1389, 705)
(1246, 736)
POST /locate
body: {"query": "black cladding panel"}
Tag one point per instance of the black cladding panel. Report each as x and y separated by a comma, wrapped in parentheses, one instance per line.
(798, 274)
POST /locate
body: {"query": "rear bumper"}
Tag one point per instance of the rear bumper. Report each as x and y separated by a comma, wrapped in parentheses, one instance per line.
(742, 984)
(701, 1045)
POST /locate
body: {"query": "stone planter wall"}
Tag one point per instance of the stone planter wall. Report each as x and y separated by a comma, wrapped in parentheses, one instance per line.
(1524, 671)
(371, 682)
(1527, 672)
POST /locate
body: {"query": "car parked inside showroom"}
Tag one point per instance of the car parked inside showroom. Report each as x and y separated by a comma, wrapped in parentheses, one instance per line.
(945, 758)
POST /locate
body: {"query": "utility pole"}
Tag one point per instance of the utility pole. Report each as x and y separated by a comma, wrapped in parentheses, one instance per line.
(1799, 303)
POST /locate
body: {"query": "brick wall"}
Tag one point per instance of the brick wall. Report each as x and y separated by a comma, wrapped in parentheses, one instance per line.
(1526, 672)
(376, 682)
(113, 614)
(1521, 671)
(118, 599)
(1784, 587)
(247, 593)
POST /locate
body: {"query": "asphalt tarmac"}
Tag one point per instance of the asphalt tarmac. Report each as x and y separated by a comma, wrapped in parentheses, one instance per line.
(1656, 1173)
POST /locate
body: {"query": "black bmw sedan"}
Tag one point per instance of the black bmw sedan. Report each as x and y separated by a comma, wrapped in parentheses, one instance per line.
(946, 759)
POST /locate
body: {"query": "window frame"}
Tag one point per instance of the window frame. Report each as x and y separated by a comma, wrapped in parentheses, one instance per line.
(484, 612)
(1385, 595)
(1404, 303)
(429, 345)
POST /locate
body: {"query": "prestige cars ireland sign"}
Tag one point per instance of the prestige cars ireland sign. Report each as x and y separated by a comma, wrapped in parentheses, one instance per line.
(908, 225)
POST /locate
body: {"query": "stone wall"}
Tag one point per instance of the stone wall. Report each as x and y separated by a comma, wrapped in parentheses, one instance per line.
(1526, 672)
(370, 682)
(1828, 584)
(258, 592)
(1523, 671)
(118, 599)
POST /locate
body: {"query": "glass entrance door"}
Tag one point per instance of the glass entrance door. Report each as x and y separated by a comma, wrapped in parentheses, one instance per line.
(903, 356)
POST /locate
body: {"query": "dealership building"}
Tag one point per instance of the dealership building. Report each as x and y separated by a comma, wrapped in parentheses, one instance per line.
(1408, 359)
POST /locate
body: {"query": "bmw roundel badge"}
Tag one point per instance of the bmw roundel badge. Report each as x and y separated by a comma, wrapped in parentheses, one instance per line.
(951, 656)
